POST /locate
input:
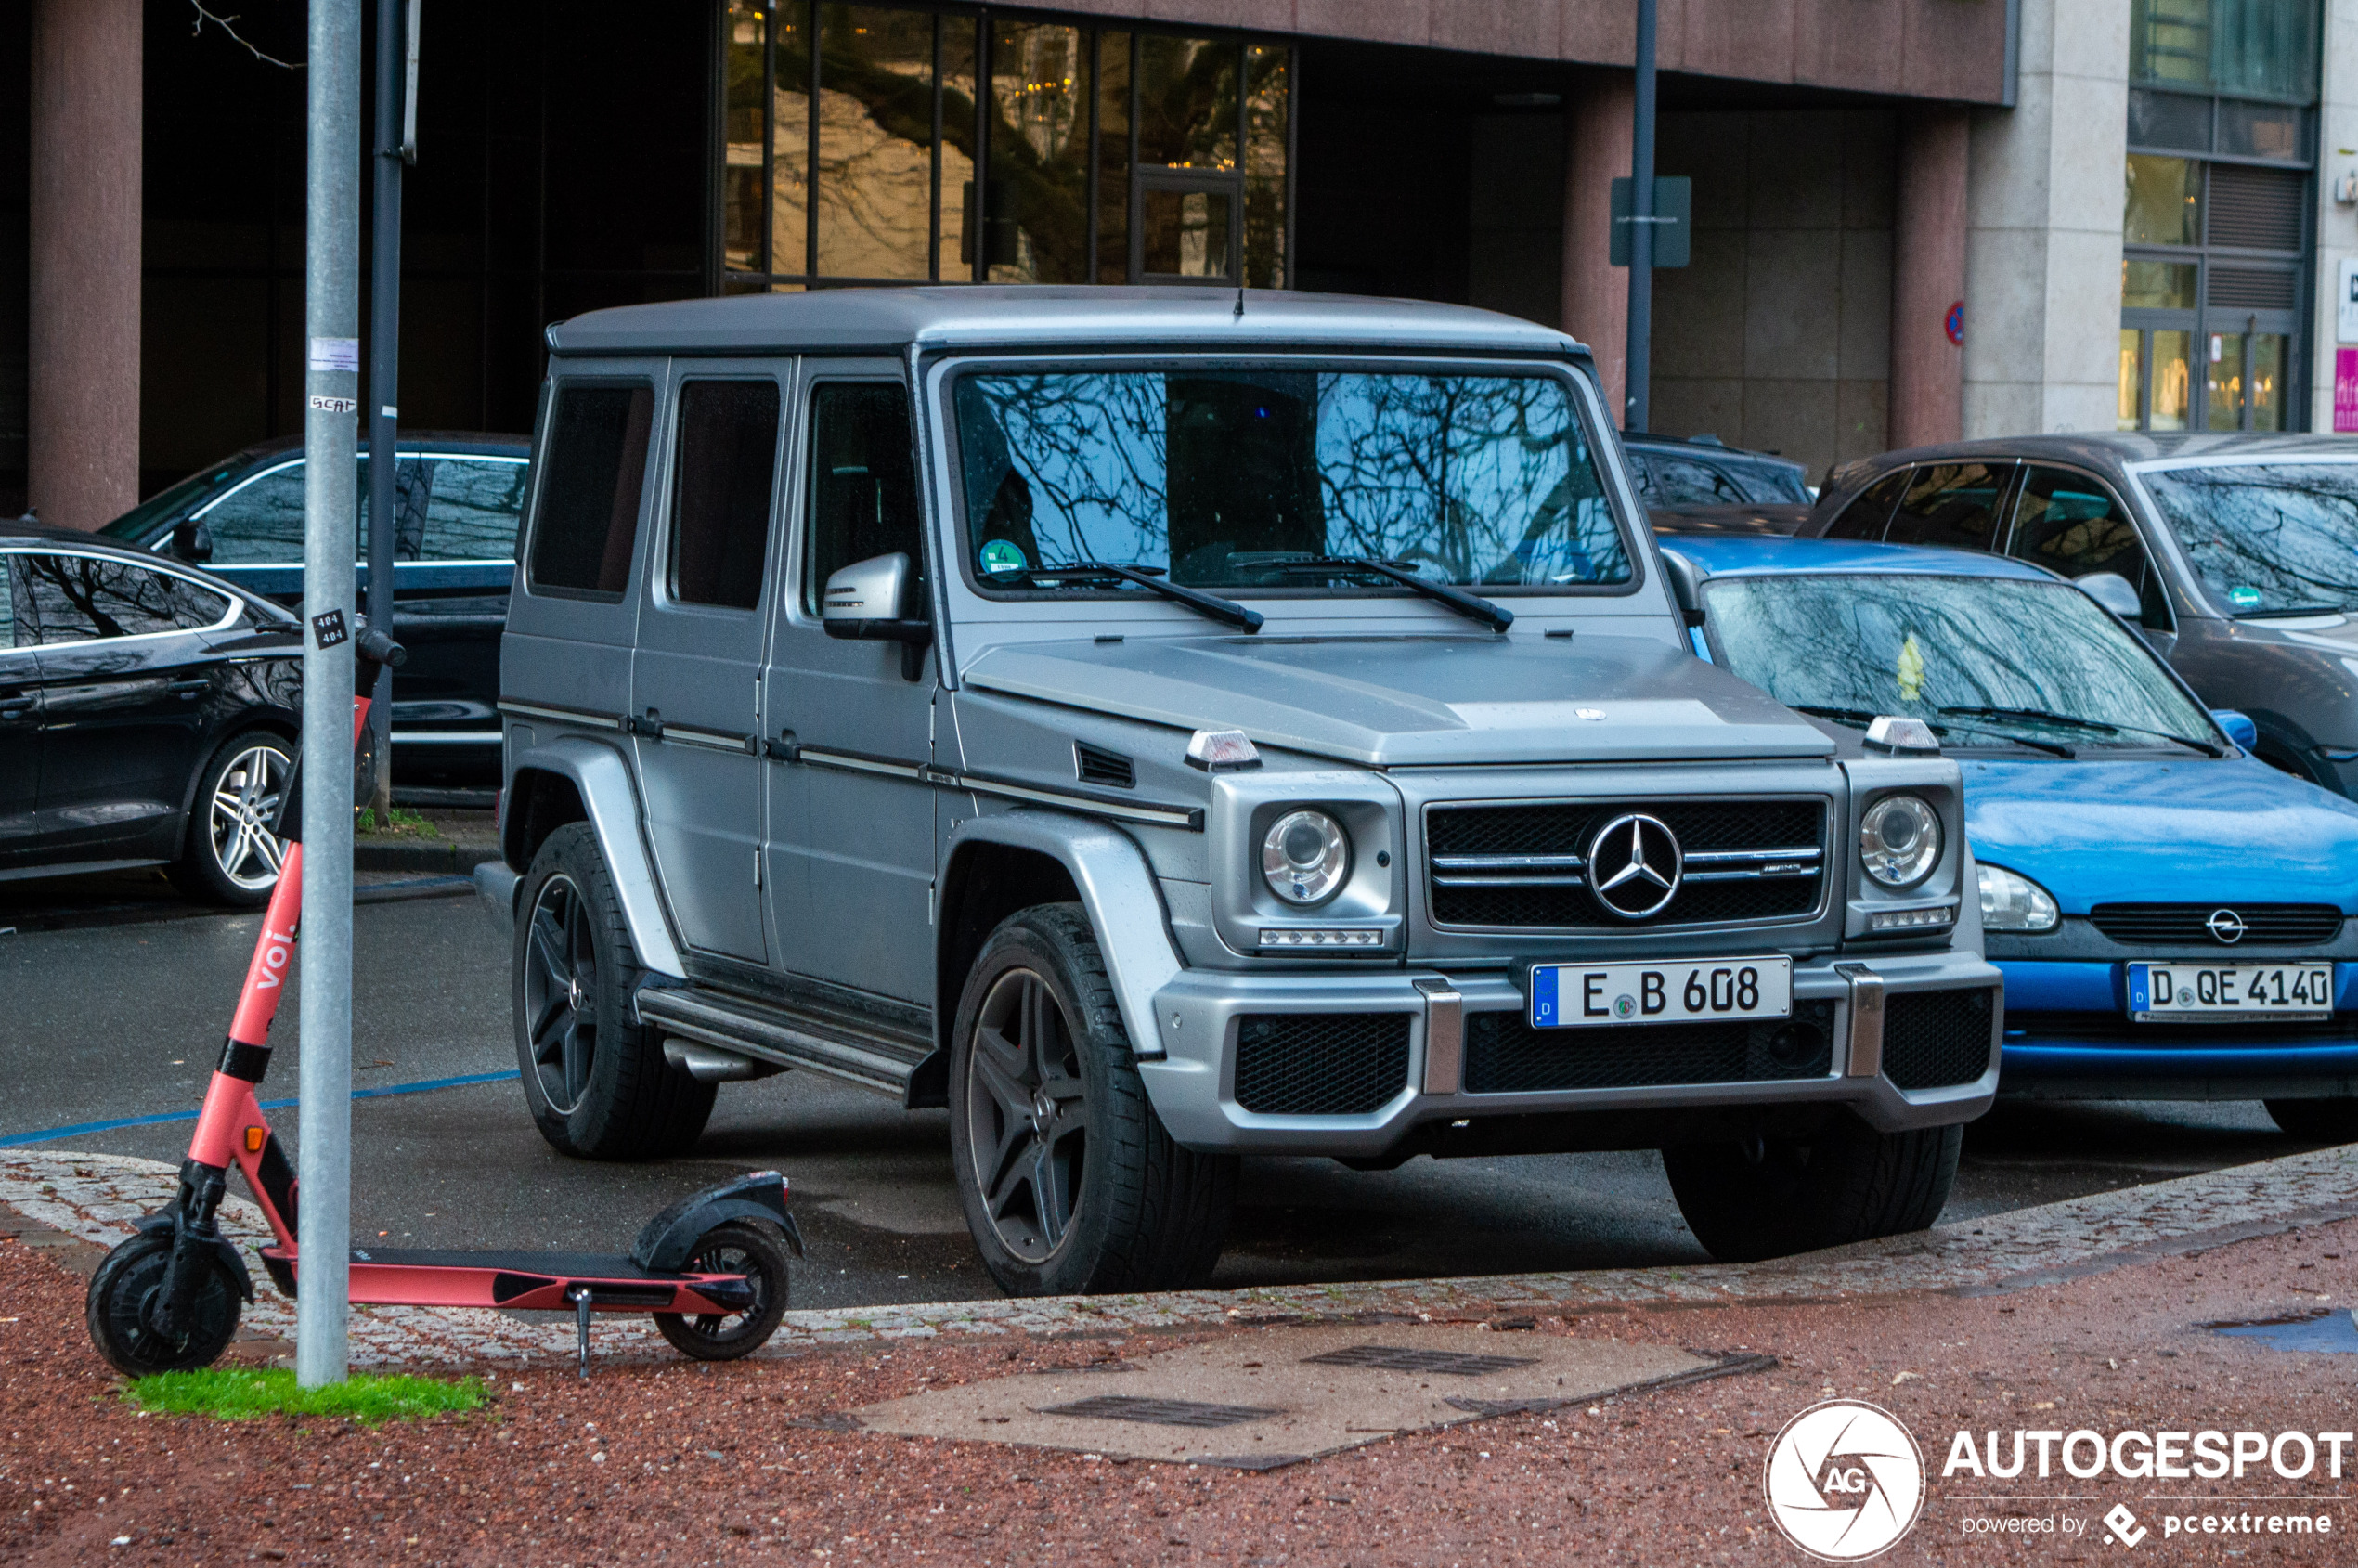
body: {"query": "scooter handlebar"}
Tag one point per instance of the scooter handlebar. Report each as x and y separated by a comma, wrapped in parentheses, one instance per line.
(375, 646)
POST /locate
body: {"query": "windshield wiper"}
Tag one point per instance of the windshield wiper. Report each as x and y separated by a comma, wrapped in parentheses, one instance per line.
(2292, 610)
(1859, 718)
(1470, 605)
(2073, 721)
(1210, 604)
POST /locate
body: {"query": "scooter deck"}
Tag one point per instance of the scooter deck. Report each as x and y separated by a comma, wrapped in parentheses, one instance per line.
(424, 1277)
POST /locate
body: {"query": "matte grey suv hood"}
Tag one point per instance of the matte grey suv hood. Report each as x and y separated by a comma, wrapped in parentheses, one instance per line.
(1418, 701)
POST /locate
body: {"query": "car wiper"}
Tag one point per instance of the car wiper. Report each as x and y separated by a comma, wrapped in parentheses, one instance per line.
(1497, 618)
(1203, 603)
(1859, 718)
(2073, 720)
(2292, 610)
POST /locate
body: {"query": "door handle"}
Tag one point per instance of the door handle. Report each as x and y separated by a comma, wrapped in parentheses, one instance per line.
(17, 707)
(188, 688)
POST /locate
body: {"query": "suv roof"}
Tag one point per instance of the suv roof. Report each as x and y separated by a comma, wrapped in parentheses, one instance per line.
(891, 320)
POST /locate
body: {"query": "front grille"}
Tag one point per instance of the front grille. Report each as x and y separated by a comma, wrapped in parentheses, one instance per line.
(1320, 1063)
(2115, 1029)
(2189, 924)
(1525, 865)
(1936, 1039)
(1506, 1055)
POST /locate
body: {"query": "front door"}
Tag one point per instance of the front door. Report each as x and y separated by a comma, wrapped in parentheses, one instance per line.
(696, 684)
(851, 825)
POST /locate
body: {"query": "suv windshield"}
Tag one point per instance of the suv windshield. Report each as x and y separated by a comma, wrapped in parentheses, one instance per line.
(2269, 538)
(1983, 661)
(1234, 478)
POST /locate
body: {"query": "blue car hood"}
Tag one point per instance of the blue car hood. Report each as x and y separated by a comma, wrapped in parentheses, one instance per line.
(2095, 831)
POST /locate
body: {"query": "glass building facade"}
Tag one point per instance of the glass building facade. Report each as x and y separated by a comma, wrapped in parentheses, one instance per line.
(885, 144)
(2216, 233)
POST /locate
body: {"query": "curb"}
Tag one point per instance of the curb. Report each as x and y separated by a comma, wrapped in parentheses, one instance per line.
(97, 1197)
(457, 859)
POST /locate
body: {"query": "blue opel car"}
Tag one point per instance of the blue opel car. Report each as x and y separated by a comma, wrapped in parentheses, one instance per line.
(2173, 916)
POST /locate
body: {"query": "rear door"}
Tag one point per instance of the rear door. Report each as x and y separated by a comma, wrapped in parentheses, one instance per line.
(696, 686)
(125, 675)
(20, 719)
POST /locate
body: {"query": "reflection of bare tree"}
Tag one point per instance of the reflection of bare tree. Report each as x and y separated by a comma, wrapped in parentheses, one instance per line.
(1477, 479)
(80, 596)
(2287, 533)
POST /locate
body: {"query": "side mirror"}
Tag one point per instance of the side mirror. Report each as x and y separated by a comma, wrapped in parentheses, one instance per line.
(2239, 727)
(1686, 586)
(2115, 592)
(191, 541)
(863, 602)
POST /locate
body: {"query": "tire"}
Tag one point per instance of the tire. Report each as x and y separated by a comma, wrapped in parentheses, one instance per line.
(596, 1083)
(2319, 1121)
(735, 1248)
(1841, 1184)
(228, 854)
(1082, 1190)
(117, 1306)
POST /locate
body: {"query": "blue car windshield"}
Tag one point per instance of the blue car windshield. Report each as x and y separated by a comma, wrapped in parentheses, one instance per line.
(2269, 538)
(1256, 478)
(1985, 661)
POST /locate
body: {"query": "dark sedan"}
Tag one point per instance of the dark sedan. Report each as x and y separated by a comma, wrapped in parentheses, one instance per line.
(457, 498)
(2236, 554)
(1698, 486)
(147, 717)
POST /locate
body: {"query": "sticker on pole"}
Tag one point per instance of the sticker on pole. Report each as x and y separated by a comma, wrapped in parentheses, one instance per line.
(1844, 1480)
(328, 629)
(335, 405)
(336, 354)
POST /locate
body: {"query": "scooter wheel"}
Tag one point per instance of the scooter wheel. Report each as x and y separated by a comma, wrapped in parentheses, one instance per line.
(120, 1293)
(734, 1247)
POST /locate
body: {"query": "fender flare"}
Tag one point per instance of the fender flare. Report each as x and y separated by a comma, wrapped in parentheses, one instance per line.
(166, 1221)
(668, 1238)
(1118, 890)
(601, 778)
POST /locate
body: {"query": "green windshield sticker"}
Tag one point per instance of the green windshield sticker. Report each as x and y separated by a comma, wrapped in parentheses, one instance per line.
(2242, 598)
(1910, 670)
(1003, 556)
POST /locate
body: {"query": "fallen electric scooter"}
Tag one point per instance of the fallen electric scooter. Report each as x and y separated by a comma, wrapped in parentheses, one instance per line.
(711, 1268)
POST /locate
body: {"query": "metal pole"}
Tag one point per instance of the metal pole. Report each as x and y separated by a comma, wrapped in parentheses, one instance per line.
(332, 322)
(384, 376)
(1641, 229)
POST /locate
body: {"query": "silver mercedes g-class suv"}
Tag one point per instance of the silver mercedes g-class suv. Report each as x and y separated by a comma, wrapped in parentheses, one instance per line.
(1163, 725)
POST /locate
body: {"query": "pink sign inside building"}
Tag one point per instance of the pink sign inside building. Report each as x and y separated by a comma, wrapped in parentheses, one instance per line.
(2346, 389)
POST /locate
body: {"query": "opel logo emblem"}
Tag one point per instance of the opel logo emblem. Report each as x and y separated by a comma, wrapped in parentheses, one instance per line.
(2226, 926)
(1634, 866)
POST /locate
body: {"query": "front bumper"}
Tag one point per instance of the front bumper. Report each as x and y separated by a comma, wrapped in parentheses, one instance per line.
(1197, 1019)
(2069, 1036)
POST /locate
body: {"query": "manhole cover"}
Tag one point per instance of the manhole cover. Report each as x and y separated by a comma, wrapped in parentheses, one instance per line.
(1161, 1412)
(1393, 1358)
(2326, 1331)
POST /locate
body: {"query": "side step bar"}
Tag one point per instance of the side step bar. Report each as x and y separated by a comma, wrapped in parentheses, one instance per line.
(771, 1034)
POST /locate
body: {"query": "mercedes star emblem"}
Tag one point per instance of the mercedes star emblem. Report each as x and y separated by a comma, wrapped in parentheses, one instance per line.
(1634, 866)
(2226, 926)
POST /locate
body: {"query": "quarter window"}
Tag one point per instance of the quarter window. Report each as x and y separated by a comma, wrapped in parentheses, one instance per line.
(86, 598)
(863, 487)
(720, 505)
(1864, 518)
(596, 461)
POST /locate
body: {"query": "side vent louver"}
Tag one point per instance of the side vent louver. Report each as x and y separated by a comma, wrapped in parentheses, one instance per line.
(1095, 765)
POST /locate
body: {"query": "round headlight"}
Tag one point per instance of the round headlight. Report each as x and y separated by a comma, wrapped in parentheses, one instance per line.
(1304, 856)
(1899, 841)
(2012, 902)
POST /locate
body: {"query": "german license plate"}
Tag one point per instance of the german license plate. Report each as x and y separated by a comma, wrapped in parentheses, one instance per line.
(2181, 993)
(1578, 995)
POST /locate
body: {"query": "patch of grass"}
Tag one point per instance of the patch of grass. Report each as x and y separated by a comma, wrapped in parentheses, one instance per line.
(241, 1393)
(403, 823)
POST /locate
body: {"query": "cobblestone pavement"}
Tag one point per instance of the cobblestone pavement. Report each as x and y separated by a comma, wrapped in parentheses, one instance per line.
(94, 1198)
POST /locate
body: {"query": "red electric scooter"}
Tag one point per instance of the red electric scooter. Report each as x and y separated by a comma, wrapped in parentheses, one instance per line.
(711, 1268)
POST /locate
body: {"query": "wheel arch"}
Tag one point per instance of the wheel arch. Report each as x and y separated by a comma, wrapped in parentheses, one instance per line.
(570, 780)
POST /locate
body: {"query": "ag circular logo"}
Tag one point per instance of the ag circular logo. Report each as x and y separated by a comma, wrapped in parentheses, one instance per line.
(1844, 1480)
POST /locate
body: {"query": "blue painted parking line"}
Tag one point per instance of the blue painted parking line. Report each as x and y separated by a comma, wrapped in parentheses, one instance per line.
(78, 1128)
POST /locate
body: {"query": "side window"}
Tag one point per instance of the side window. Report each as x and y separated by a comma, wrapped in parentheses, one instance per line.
(84, 598)
(728, 463)
(596, 457)
(1865, 516)
(1684, 482)
(1951, 503)
(863, 483)
(8, 610)
(2069, 522)
(259, 523)
(470, 507)
(1641, 475)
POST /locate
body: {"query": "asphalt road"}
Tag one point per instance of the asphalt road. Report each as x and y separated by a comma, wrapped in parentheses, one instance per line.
(107, 1021)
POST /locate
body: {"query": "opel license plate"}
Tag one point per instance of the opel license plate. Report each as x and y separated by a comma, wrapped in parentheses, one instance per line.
(1577, 995)
(2188, 993)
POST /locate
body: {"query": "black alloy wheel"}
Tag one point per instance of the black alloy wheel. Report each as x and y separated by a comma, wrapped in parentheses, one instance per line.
(560, 993)
(734, 1247)
(1028, 1125)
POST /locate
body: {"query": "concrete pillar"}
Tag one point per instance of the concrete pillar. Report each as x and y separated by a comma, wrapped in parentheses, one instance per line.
(1928, 277)
(2042, 212)
(83, 432)
(2337, 234)
(1597, 127)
